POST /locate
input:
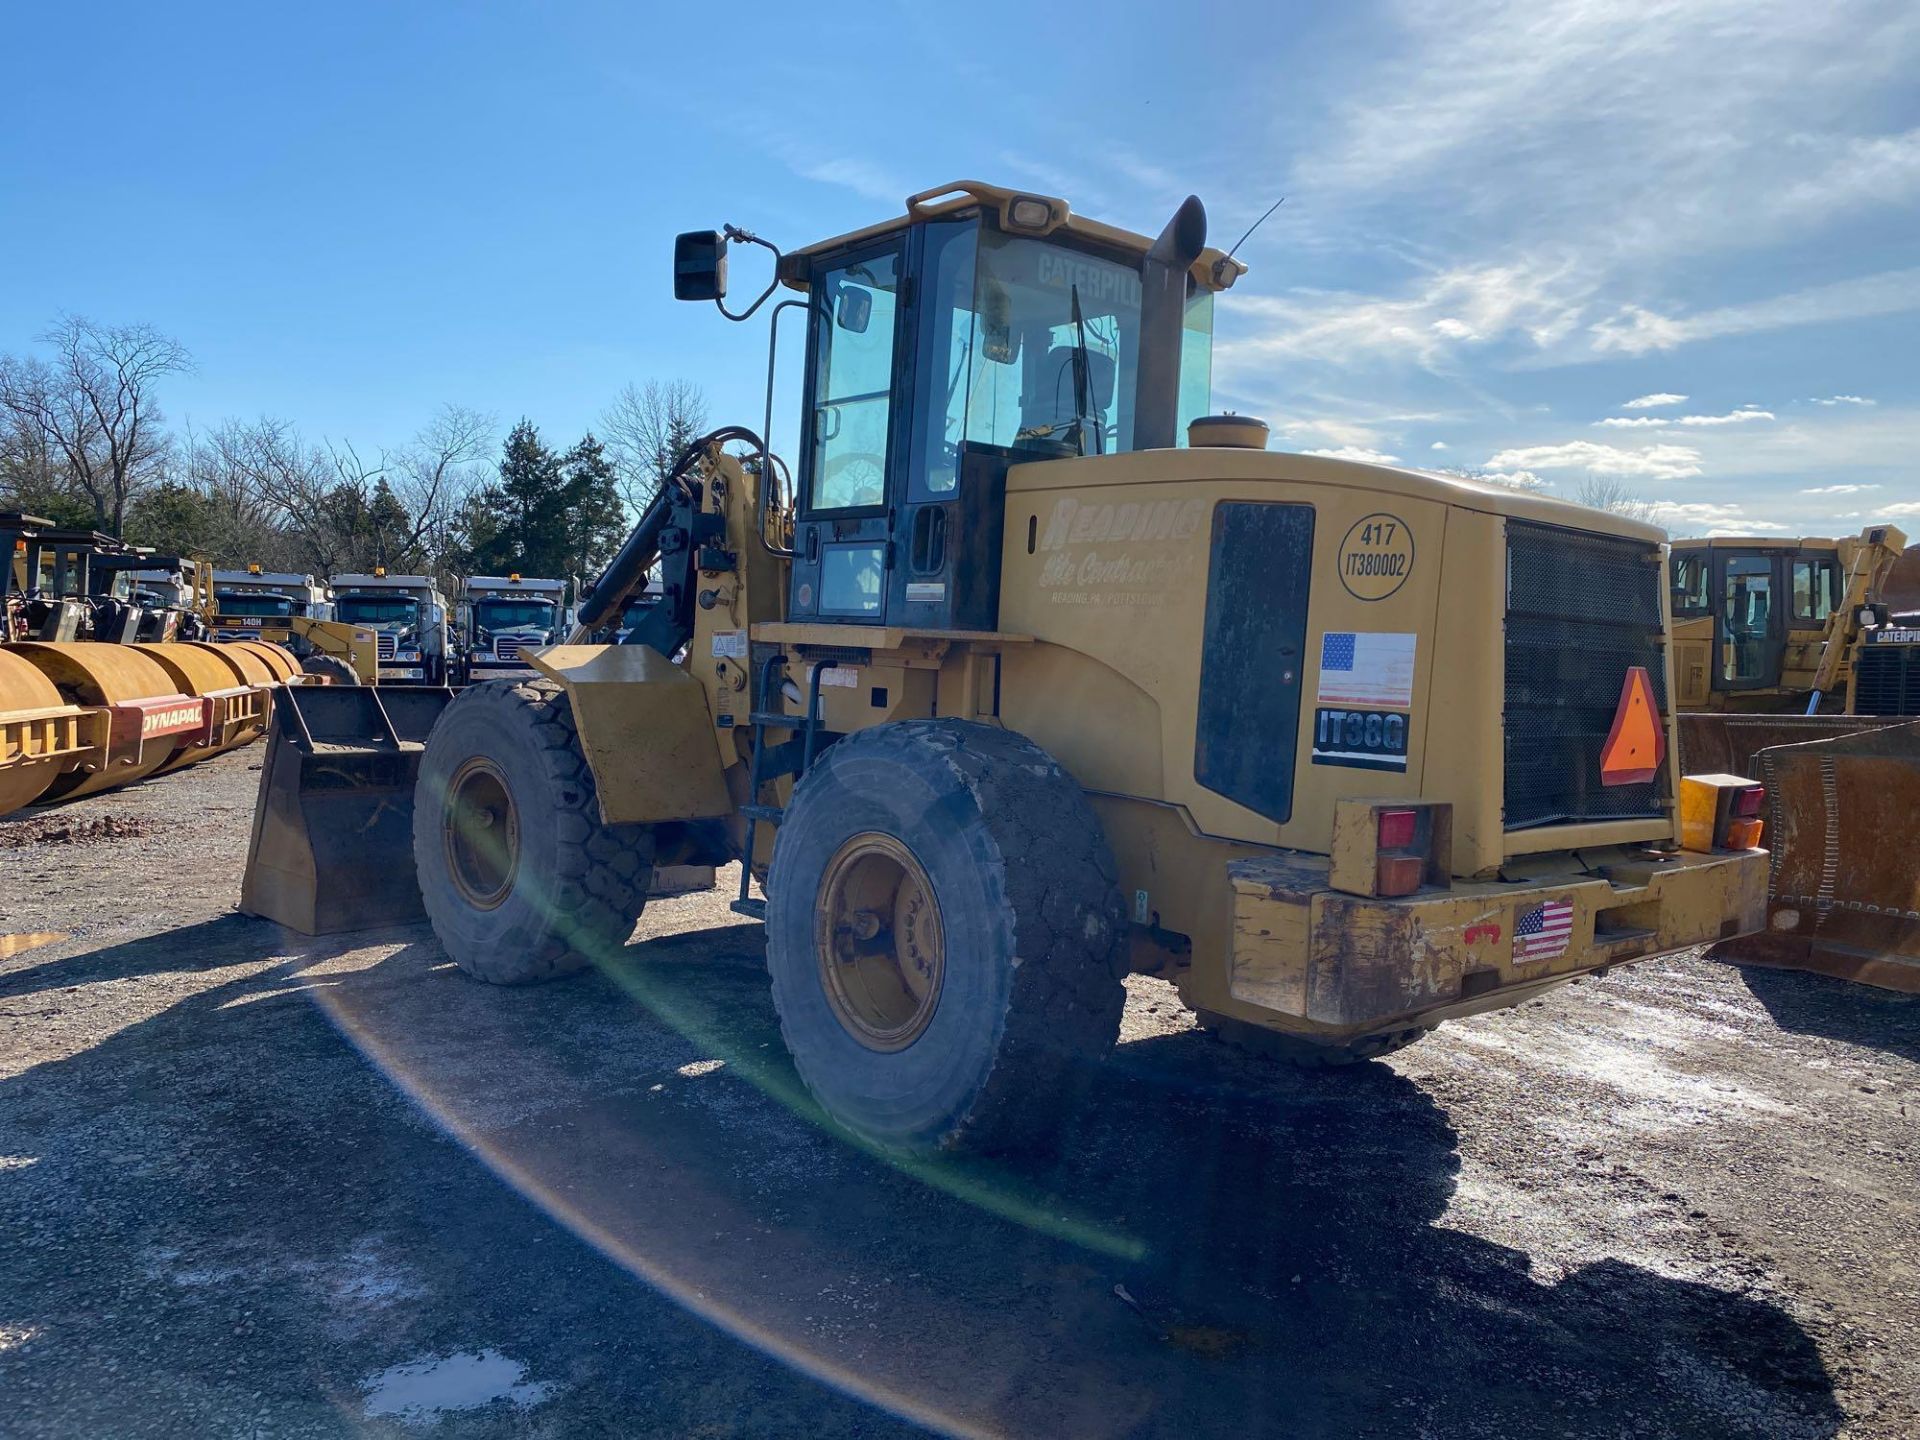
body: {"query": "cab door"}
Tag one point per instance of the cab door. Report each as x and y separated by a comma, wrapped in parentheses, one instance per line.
(859, 365)
(1749, 599)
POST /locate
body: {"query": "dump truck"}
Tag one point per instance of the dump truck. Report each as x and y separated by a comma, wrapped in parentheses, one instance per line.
(1018, 694)
(244, 599)
(408, 615)
(504, 616)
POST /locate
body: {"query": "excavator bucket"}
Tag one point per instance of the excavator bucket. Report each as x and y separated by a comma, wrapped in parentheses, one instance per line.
(1844, 895)
(332, 845)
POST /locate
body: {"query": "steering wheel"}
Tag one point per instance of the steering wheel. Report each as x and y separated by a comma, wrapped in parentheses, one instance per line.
(859, 477)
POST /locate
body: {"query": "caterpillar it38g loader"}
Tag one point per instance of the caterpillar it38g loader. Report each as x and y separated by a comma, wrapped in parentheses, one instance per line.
(1013, 697)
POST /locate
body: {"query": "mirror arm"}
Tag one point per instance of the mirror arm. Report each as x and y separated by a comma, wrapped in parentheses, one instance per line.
(734, 232)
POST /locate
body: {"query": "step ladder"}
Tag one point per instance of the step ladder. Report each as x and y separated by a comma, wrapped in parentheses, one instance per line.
(764, 716)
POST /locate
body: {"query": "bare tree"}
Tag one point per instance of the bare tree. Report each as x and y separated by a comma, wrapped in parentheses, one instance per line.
(645, 428)
(1607, 492)
(95, 406)
(437, 473)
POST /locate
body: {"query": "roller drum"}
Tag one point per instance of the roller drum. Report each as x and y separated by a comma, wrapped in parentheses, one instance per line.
(92, 674)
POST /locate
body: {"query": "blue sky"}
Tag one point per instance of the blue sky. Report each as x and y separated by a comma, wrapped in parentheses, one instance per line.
(1507, 220)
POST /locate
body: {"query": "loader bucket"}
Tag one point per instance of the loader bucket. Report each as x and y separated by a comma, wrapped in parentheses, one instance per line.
(1844, 895)
(332, 846)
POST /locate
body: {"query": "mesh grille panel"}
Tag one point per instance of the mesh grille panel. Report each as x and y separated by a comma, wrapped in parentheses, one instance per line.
(1581, 610)
(1886, 681)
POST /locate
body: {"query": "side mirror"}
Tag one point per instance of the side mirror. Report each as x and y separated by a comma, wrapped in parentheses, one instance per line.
(700, 265)
(853, 311)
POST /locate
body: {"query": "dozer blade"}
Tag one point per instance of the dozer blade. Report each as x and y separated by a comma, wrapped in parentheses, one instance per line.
(1844, 897)
(332, 846)
(1729, 744)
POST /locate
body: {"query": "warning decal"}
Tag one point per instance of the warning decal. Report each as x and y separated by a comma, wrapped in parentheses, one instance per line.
(1366, 668)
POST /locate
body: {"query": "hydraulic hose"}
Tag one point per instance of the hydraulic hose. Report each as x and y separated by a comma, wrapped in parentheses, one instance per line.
(628, 569)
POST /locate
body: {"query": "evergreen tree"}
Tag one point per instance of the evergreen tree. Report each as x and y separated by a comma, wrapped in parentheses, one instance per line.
(595, 520)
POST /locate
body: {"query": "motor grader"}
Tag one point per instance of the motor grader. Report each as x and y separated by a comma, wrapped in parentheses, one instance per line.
(1010, 694)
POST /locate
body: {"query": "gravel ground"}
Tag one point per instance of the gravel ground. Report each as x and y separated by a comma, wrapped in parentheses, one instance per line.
(257, 1185)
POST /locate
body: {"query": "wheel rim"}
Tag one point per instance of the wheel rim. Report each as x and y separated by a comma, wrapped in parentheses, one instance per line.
(881, 947)
(482, 833)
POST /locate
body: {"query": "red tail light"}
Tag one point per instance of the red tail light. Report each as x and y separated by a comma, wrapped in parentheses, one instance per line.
(1397, 829)
(1747, 804)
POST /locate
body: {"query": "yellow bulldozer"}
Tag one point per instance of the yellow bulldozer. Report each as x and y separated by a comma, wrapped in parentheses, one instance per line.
(1798, 663)
(1010, 693)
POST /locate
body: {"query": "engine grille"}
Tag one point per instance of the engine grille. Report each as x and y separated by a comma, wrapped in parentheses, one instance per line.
(506, 647)
(386, 644)
(1886, 681)
(1582, 609)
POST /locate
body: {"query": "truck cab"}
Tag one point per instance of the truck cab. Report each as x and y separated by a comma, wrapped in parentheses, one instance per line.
(408, 616)
(504, 616)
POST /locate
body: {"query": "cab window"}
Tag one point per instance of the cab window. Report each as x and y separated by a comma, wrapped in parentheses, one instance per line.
(1690, 582)
(1816, 582)
(853, 382)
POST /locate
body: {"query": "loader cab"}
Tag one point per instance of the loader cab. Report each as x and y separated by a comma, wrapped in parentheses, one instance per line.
(940, 352)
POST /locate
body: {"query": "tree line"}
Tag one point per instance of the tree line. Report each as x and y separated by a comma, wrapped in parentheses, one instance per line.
(84, 442)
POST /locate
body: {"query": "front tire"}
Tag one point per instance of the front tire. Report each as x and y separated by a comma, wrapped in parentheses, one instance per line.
(330, 668)
(521, 879)
(945, 936)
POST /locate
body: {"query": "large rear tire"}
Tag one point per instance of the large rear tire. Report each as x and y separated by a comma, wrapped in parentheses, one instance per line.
(945, 936)
(521, 879)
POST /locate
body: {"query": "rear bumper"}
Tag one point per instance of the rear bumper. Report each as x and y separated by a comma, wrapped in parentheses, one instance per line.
(1317, 959)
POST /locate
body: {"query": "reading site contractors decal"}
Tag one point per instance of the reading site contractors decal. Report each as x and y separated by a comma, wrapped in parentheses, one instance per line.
(1376, 557)
(1365, 689)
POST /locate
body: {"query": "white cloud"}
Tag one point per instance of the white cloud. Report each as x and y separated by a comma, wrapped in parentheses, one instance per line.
(1656, 462)
(1453, 329)
(1701, 517)
(1357, 453)
(1843, 400)
(1438, 445)
(1732, 417)
(1654, 402)
(1904, 507)
(1838, 489)
(860, 176)
(1635, 330)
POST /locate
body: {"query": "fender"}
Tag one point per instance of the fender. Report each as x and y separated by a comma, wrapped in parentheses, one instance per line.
(645, 729)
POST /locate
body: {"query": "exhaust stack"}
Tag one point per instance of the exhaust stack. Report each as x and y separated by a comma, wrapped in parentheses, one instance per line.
(1163, 308)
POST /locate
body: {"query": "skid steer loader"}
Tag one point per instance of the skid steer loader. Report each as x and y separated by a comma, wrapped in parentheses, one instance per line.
(1014, 696)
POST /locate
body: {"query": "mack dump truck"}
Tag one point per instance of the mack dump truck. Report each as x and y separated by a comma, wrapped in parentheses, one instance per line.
(505, 616)
(408, 616)
(1016, 695)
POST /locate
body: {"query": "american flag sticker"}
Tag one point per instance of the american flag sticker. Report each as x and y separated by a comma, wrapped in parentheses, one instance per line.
(1369, 668)
(1543, 932)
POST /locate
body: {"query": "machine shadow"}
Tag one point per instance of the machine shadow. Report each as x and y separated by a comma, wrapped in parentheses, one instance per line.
(1218, 1242)
(211, 944)
(1833, 1009)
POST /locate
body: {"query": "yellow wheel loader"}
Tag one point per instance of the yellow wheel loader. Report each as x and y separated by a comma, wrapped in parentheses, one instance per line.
(1010, 694)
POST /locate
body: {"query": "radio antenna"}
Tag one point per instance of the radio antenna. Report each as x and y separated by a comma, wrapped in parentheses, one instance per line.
(1255, 226)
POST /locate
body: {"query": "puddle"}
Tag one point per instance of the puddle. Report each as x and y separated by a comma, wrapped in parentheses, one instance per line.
(19, 944)
(420, 1391)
